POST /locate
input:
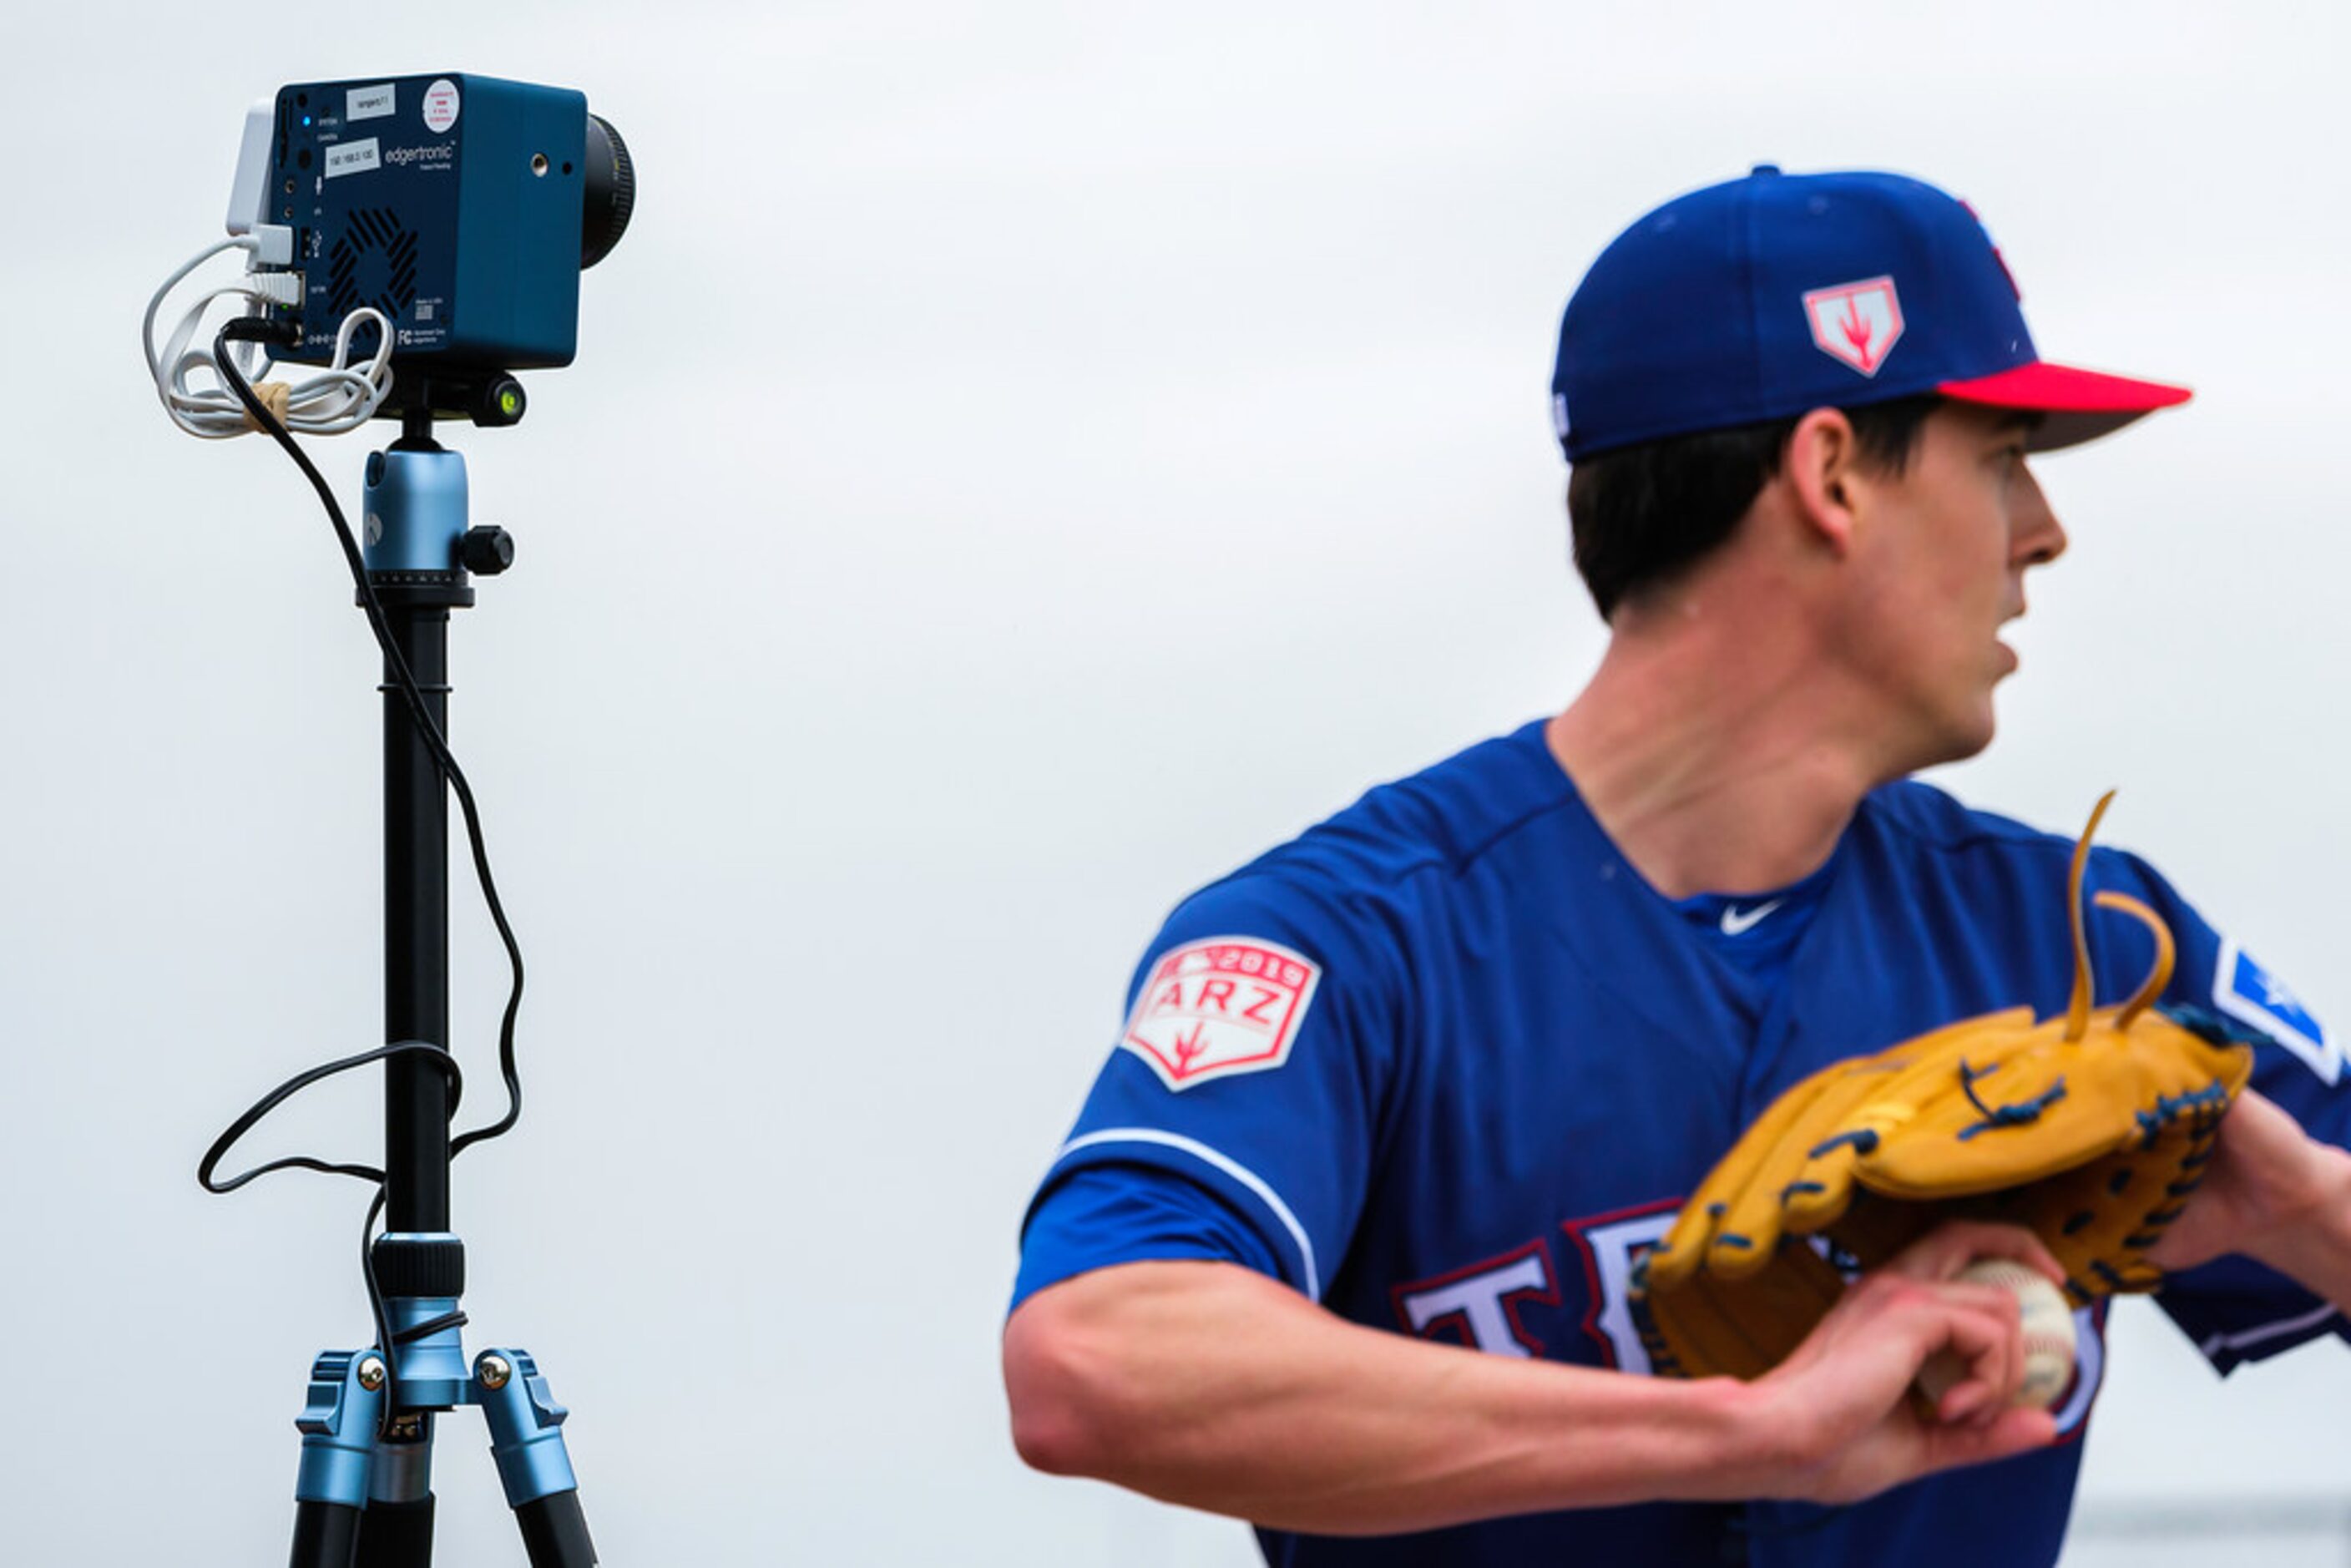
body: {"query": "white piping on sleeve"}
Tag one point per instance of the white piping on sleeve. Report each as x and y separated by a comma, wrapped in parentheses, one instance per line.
(1218, 1161)
(2090, 1351)
(2245, 1338)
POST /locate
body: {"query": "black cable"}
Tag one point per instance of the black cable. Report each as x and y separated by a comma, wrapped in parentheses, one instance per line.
(437, 1055)
(255, 329)
(260, 330)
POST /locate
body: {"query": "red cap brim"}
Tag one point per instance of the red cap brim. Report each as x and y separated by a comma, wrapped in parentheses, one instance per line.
(2081, 405)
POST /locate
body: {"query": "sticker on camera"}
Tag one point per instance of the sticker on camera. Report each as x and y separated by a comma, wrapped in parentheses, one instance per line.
(440, 106)
(353, 157)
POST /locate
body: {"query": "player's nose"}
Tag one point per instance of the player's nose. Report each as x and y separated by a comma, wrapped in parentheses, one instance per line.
(2036, 537)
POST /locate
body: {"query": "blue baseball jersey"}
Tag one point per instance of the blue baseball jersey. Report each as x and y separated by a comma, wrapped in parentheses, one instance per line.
(1446, 1062)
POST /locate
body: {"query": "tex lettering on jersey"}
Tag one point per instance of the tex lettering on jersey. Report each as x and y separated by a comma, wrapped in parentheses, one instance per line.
(1513, 1305)
(1477, 1306)
(1220, 1007)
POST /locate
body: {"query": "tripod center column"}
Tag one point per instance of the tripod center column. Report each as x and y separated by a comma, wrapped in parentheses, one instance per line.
(414, 522)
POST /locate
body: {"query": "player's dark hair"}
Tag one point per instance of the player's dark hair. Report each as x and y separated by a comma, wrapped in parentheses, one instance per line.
(1642, 515)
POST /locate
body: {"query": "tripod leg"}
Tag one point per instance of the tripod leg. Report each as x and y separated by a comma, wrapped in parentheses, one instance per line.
(396, 1531)
(526, 1440)
(337, 1427)
(396, 1534)
(326, 1535)
(554, 1532)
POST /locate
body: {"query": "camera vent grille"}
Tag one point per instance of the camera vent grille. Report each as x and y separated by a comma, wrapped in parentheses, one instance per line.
(372, 262)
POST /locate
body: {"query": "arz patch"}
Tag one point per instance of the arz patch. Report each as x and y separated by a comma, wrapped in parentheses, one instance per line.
(1222, 1006)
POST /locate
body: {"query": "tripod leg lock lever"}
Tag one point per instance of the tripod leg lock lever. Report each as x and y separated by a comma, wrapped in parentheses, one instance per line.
(525, 1426)
(338, 1426)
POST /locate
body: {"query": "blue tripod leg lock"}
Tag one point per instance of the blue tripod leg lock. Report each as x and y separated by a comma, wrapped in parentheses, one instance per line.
(338, 1428)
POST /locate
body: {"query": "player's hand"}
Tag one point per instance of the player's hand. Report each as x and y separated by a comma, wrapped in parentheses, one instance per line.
(1841, 1404)
(2267, 1176)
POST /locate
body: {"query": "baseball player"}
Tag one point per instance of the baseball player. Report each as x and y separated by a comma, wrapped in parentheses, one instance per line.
(1428, 1078)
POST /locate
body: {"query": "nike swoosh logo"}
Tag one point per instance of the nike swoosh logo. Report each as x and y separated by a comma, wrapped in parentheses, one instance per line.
(1736, 921)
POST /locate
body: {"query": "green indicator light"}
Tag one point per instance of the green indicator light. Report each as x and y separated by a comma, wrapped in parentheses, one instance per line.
(509, 401)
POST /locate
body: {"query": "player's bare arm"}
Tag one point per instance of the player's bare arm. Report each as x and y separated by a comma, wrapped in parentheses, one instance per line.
(1210, 1385)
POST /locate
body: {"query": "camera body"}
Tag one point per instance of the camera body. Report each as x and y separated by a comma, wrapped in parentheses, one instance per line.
(452, 204)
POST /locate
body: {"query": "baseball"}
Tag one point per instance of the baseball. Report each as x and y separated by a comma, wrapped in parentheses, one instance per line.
(2048, 1336)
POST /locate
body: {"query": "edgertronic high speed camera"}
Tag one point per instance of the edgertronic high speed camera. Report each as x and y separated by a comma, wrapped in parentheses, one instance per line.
(461, 208)
(416, 239)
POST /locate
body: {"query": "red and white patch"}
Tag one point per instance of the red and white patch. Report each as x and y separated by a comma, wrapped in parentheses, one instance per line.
(1858, 323)
(1213, 1009)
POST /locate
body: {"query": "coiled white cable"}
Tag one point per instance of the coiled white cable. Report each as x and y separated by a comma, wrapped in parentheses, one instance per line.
(341, 397)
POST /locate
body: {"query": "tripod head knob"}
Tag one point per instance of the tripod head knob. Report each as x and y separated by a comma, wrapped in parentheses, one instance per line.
(487, 551)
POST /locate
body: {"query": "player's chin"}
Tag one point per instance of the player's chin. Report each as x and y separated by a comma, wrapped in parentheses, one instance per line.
(1980, 726)
(1965, 729)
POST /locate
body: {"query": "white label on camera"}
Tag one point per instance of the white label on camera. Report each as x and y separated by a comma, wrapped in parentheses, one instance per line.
(367, 103)
(351, 157)
(441, 105)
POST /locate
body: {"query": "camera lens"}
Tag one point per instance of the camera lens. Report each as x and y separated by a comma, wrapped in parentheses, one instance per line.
(610, 193)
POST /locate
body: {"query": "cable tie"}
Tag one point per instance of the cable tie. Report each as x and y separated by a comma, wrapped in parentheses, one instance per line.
(272, 396)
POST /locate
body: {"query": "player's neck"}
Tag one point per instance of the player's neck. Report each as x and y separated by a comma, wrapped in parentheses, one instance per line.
(1715, 751)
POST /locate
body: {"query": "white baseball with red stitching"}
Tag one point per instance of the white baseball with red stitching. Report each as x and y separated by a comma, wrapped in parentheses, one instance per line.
(2048, 1322)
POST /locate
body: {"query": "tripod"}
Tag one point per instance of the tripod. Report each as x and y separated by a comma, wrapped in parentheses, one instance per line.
(363, 1495)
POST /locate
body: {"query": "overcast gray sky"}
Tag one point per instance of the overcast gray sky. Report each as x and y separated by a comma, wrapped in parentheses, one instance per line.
(1024, 459)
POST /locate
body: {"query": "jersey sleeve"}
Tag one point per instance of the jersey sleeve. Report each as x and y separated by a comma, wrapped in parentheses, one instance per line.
(1238, 1113)
(2234, 1309)
(1104, 1214)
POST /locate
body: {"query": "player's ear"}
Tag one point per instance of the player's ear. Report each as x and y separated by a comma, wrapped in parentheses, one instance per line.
(1821, 470)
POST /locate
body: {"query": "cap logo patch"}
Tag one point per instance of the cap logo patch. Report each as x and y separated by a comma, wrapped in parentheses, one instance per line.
(1858, 323)
(1219, 1006)
(2004, 272)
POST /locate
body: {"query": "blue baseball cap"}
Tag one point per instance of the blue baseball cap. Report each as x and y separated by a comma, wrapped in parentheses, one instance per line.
(1776, 294)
